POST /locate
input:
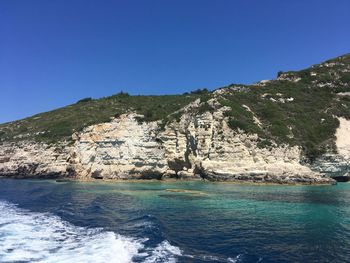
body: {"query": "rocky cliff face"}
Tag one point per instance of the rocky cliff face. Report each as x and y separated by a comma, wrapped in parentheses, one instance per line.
(122, 149)
(337, 164)
(265, 132)
(197, 146)
(26, 160)
(204, 146)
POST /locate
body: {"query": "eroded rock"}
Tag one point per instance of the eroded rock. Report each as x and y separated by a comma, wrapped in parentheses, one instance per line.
(198, 146)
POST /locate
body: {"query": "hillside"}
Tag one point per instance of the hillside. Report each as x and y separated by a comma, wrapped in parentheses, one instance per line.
(265, 132)
(297, 108)
(58, 125)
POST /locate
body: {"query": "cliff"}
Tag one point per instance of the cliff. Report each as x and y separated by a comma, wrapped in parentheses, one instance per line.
(274, 131)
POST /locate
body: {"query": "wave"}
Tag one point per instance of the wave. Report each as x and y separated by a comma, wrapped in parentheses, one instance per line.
(27, 236)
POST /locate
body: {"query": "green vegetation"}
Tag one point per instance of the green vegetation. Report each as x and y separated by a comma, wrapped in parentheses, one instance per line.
(84, 100)
(204, 107)
(59, 124)
(297, 109)
(200, 91)
(298, 113)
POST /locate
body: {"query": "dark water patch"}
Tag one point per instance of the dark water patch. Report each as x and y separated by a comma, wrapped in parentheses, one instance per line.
(181, 197)
(200, 222)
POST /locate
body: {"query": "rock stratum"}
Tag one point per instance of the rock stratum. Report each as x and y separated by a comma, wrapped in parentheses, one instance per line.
(271, 132)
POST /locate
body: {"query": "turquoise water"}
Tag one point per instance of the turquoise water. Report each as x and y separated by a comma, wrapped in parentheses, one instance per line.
(47, 221)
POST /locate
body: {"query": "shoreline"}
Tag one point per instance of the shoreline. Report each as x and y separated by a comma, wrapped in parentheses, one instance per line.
(169, 180)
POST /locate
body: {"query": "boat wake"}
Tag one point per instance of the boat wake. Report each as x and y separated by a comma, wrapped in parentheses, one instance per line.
(27, 236)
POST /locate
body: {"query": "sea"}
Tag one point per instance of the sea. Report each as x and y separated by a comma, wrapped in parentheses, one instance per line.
(158, 221)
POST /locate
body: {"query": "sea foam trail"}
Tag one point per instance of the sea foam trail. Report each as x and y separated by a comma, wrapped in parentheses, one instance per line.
(27, 236)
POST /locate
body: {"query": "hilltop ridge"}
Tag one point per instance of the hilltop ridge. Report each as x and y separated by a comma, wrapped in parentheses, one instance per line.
(301, 98)
(288, 120)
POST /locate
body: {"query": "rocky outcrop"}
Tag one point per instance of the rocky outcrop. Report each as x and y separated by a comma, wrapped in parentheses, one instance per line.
(205, 146)
(121, 149)
(337, 165)
(197, 146)
(214, 137)
(26, 160)
(343, 138)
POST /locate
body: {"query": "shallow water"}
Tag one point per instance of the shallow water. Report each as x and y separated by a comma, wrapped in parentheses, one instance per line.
(47, 221)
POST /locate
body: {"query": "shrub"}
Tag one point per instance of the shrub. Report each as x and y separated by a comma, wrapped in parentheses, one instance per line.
(200, 91)
(204, 107)
(84, 100)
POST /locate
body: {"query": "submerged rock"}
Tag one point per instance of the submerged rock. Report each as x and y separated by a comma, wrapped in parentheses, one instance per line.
(185, 191)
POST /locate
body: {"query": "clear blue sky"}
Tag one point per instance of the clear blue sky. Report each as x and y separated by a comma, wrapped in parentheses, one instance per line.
(54, 52)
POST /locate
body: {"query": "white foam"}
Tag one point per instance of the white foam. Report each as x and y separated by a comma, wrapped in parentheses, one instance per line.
(41, 237)
(164, 252)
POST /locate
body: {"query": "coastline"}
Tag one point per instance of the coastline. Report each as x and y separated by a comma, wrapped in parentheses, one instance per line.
(168, 180)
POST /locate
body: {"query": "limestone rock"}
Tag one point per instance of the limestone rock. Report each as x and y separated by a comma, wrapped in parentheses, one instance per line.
(198, 146)
(34, 160)
(121, 149)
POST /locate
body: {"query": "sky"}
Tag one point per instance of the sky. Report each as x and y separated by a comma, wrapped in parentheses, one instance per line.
(55, 52)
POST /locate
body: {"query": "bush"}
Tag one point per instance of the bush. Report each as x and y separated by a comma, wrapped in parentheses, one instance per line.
(122, 93)
(84, 100)
(345, 78)
(200, 91)
(205, 107)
